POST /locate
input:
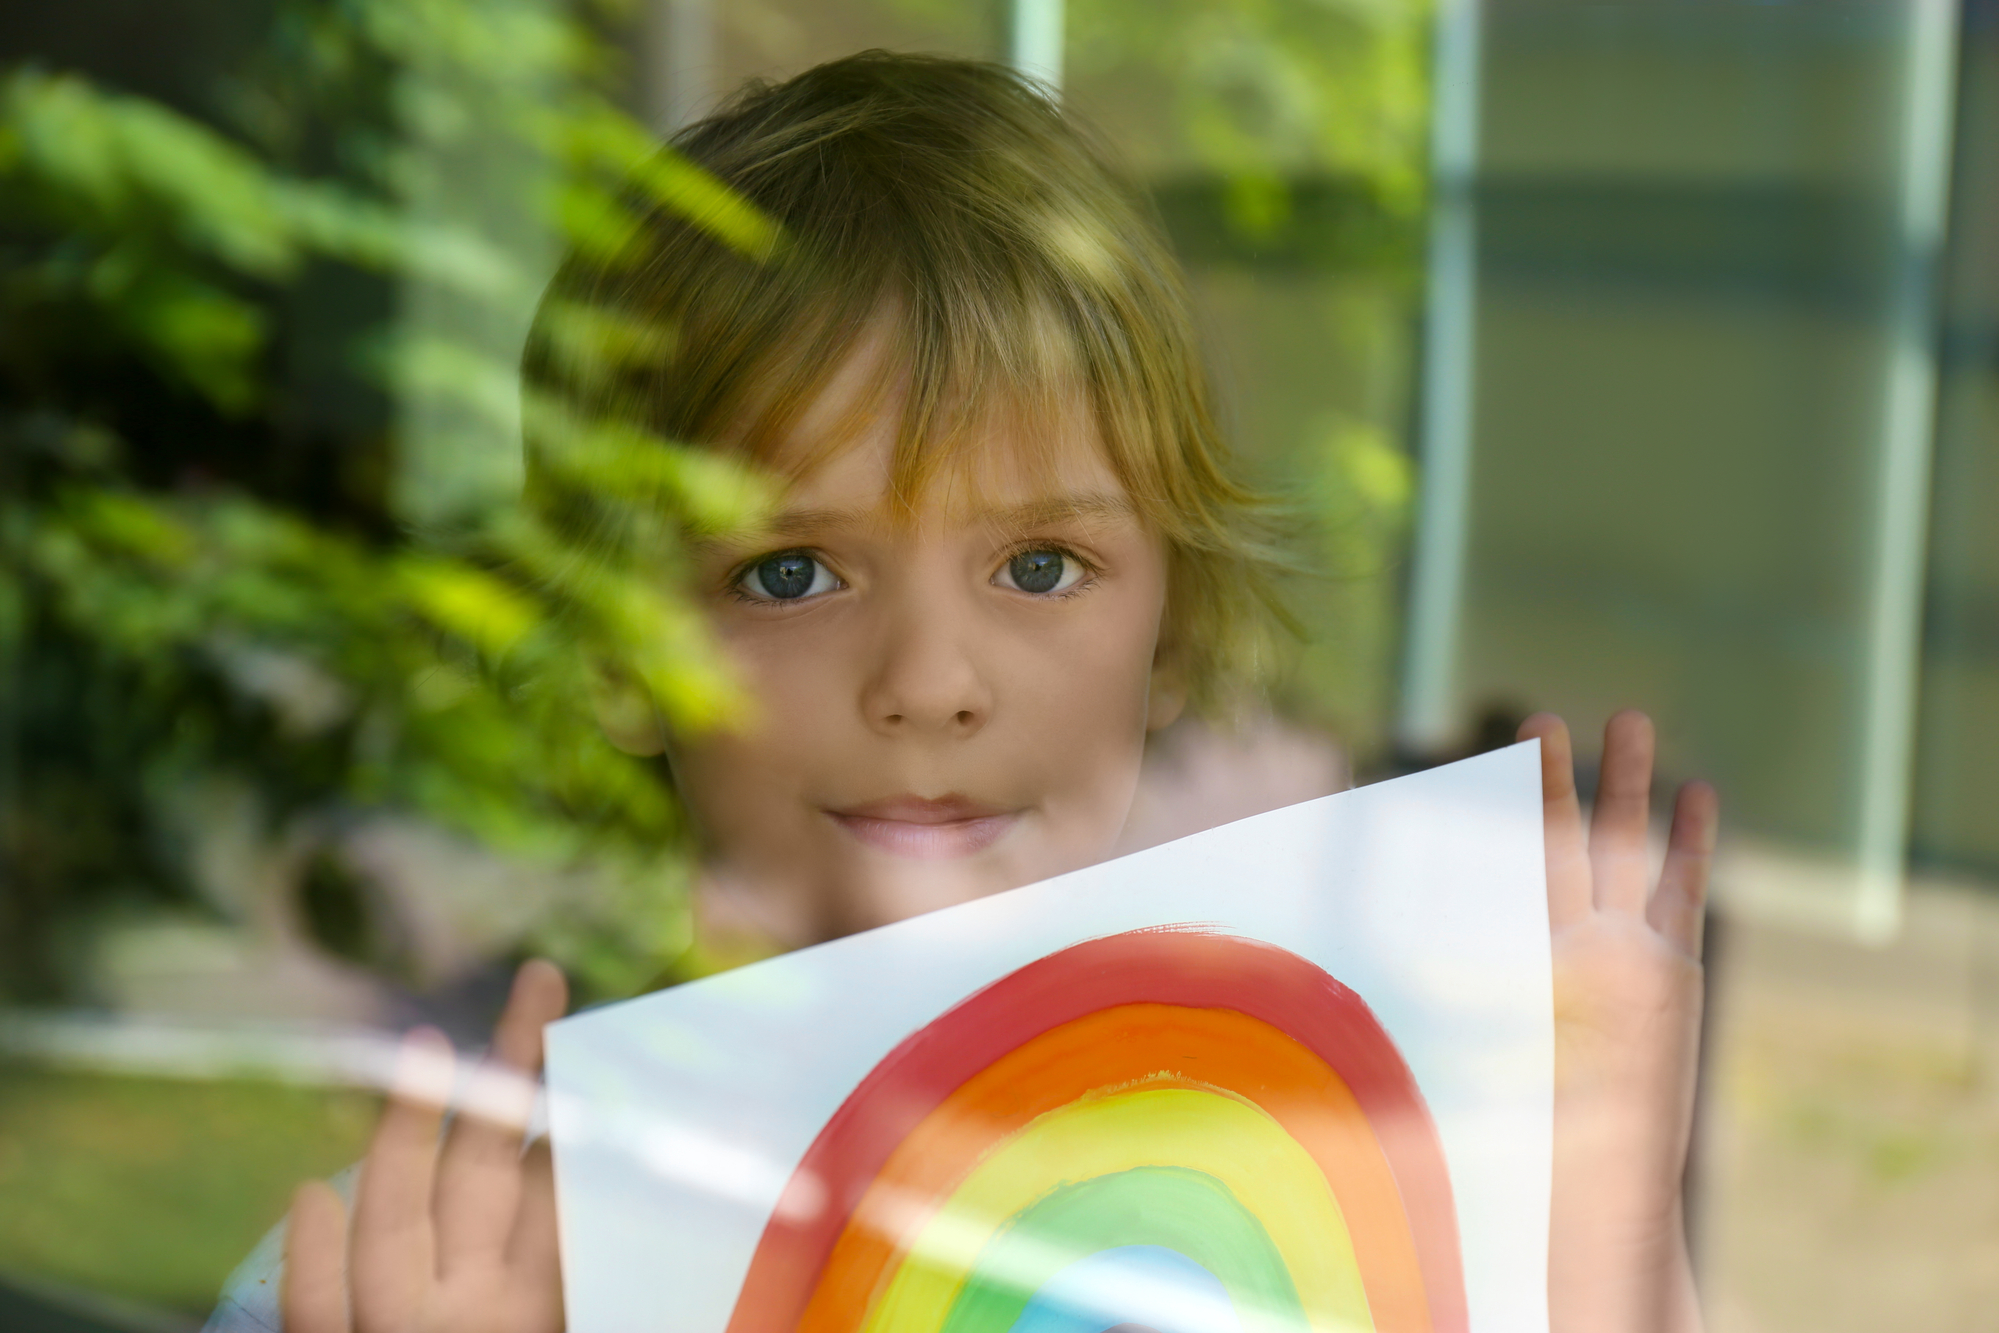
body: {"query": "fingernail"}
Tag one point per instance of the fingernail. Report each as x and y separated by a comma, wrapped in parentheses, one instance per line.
(536, 972)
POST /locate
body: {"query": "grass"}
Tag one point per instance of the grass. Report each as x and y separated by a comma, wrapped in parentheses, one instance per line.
(152, 1190)
(1855, 1178)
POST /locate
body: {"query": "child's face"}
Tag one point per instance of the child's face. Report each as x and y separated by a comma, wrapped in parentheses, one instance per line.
(951, 703)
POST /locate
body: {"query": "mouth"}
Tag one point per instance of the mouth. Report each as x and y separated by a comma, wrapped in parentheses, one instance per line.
(926, 829)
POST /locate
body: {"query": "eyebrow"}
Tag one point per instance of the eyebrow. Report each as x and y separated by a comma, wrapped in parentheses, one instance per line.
(802, 525)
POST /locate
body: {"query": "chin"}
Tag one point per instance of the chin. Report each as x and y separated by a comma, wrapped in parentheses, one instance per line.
(883, 894)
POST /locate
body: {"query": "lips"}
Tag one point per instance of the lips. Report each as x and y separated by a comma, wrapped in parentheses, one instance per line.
(926, 828)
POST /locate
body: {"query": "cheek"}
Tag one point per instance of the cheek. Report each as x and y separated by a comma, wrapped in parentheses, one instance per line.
(1097, 679)
(730, 779)
(1085, 692)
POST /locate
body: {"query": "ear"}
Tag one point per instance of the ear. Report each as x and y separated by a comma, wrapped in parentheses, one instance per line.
(1167, 697)
(624, 714)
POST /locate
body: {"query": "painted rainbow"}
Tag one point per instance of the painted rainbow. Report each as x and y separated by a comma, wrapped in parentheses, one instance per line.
(1169, 1130)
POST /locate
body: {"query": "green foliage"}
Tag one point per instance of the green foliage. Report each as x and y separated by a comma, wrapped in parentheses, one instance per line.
(1286, 143)
(1265, 93)
(175, 609)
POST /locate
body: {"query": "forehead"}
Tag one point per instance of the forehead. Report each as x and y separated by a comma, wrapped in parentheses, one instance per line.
(992, 469)
(851, 449)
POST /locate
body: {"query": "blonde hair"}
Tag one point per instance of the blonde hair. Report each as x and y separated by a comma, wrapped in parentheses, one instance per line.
(1013, 265)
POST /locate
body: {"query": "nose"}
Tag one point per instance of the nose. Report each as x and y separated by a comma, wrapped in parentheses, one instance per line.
(928, 678)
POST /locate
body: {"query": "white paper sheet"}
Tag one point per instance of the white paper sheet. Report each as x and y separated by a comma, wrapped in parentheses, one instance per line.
(679, 1117)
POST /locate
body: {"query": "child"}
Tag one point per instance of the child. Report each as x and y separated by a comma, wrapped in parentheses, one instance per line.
(1008, 549)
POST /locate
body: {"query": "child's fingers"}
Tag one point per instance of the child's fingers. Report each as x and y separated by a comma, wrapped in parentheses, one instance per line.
(478, 1174)
(533, 1257)
(1679, 908)
(1568, 858)
(313, 1296)
(394, 1254)
(1622, 820)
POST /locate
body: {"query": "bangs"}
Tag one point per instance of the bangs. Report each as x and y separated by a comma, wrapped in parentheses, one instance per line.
(951, 391)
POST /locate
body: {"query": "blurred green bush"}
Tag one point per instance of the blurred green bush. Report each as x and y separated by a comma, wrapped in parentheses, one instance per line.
(179, 611)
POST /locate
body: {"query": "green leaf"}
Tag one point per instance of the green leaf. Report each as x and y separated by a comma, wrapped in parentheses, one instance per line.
(467, 602)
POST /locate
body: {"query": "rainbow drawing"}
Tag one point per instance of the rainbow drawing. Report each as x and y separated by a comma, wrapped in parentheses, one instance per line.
(1168, 1129)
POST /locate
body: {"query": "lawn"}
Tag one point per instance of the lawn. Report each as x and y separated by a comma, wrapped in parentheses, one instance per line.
(151, 1190)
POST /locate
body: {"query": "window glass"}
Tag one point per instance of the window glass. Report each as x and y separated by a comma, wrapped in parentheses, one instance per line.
(378, 604)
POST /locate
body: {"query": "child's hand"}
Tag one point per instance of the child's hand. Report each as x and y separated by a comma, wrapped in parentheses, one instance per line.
(451, 1237)
(1627, 1035)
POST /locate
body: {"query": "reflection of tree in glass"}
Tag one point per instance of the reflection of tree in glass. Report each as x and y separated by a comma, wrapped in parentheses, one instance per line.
(1264, 92)
(192, 624)
(1286, 144)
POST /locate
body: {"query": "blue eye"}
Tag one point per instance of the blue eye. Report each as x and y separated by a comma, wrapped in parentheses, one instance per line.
(787, 576)
(1042, 572)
